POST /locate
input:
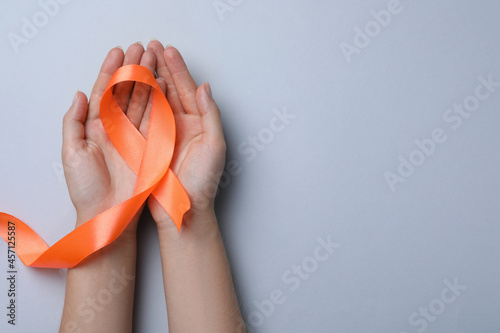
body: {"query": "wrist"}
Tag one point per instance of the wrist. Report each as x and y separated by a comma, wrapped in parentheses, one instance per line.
(127, 237)
(197, 226)
(192, 218)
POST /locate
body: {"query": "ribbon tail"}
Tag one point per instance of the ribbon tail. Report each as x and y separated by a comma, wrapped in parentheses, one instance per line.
(13, 230)
(78, 244)
(172, 197)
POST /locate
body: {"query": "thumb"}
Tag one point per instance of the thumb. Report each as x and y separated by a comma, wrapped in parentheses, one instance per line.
(211, 118)
(74, 124)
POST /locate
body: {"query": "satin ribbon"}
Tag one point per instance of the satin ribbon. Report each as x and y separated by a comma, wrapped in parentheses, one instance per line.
(148, 157)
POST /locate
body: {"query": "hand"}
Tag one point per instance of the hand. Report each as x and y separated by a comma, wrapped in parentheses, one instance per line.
(98, 177)
(200, 148)
(199, 154)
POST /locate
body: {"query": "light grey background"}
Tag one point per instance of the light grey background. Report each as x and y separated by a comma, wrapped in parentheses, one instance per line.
(322, 176)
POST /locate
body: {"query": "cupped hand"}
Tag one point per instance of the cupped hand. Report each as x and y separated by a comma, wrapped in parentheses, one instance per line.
(98, 178)
(200, 148)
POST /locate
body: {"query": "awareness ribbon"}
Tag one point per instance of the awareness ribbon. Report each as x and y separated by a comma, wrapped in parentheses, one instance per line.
(148, 157)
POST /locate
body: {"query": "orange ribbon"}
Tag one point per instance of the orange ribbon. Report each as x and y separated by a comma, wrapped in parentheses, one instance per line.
(149, 158)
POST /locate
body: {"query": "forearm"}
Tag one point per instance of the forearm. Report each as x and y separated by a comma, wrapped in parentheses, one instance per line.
(100, 290)
(198, 285)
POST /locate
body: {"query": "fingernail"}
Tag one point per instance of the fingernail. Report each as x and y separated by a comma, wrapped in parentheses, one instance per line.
(208, 89)
(140, 43)
(168, 45)
(75, 98)
(119, 47)
(153, 39)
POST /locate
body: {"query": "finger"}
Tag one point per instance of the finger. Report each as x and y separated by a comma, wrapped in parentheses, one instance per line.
(113, 61)
(123, 90)
(143, 127)
(162, 71)
(141, 92)
(74, 124)
(211, 119)
(184, 83)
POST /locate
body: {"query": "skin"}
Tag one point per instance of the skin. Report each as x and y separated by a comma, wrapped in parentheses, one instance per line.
(198, 287)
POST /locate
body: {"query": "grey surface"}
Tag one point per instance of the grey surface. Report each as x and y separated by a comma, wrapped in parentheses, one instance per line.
(323, 175)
